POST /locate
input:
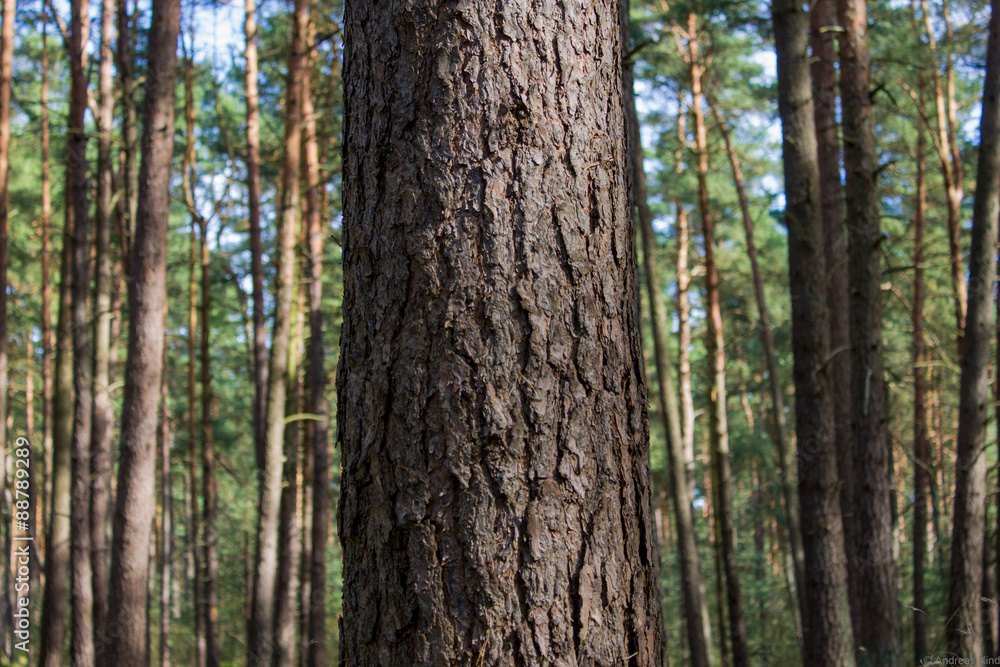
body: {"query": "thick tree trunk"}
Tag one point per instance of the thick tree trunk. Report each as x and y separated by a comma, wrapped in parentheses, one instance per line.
(921, 453)
(317, 429)
(823, 23)
(872, 567)
(135, 499)
(491, 405)
(779, 433)
(261, 642)
(77, 231)
(697, 621)
(167, 526)
(964, 629)
(102, 452)
(718, 420)
(826, 623)
(256, 250)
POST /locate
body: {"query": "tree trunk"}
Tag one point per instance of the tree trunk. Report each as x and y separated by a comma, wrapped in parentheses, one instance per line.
(718, 422)
(210, 491)
(317, 429)
(166, 504)
(964, 629)
(696, 615)
(195, 549)
(102, 452)
(779, 434)
(77, 231)
(823, 23)
(872, 567)
(261, 624)
(491, 406)
(129, 198)
(288, 527)
(135, 500)
(48, 345)
(826, 622)
(921, 453)
(256, 250)
(6, 76)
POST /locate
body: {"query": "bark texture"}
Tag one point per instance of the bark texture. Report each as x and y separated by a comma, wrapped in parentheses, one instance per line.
(826, 621)
(135, 501)
(964, 630)
(496, 503)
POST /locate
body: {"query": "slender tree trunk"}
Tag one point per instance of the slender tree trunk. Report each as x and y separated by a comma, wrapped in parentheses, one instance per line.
(102, 454)
(166, 503)
(692, 585)
(286, 585)
(823, 23)
(6, 76)
(317, 429)
(964, 629)
(128, 200)
(48, 345)
(491, 403)
(873, 566)
(134, 502)
(195, 550)
(921, 453)
(718, 426)
(77, 231)
(261, 625)
(826, 623)
(779, 433)
(256, 250)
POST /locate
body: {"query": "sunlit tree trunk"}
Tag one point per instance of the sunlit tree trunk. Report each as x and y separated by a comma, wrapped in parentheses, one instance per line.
(48, 344)
(964, 628)
(135, 499)
(826, 620)
(166, 505)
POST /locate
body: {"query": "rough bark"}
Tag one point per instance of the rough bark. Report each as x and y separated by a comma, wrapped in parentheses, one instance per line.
(135, 501)
(261, 642)
(921, 450)
(964, 631)
(256, 251)
(697, 621)
(823, 23)
(210, 492)
(491, 408)
(102, 421)
(826, 624)
(717, 415)
(778, 431)
(167, 526)
(77, 232)
(872, 567)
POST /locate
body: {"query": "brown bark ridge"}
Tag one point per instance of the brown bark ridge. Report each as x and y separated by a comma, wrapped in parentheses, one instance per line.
(496, 502)
(921, 449)
(697, 621)
(717, 414)
(261, 644)
(135, 500)
(102, 421)
(823, 21)
(779, 433)
(872, 566)
(964, 631)
(256, 250)
(77, 232)
(317, 429)
(826, 622)
(166, 507)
